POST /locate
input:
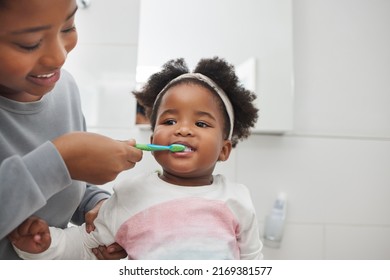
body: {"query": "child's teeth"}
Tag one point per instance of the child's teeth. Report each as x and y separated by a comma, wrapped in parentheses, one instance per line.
(187, 149)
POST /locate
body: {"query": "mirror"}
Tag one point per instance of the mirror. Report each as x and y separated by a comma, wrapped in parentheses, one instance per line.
(254, 35)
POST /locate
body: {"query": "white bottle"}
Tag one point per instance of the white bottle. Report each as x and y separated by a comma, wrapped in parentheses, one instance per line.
(274, 222)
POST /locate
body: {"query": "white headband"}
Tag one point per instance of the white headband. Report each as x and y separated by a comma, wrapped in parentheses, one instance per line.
(213, 85)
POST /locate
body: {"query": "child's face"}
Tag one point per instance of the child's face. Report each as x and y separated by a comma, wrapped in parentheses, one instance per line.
(190, 114)
(35, 38)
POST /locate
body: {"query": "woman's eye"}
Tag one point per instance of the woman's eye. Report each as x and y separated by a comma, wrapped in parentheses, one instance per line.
(68, 30)
(29, 47)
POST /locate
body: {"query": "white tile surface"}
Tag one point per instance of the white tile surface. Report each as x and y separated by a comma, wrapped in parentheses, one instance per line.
(283, 164)
(300, 242)
(326, 180)
(357, 243)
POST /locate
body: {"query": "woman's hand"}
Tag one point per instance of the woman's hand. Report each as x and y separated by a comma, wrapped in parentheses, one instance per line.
(112, 252)
(95, 158)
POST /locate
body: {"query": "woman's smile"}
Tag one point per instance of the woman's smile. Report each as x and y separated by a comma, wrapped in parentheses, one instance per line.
(47, 80)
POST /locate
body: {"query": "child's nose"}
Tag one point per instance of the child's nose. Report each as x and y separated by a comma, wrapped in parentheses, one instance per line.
(184, 130)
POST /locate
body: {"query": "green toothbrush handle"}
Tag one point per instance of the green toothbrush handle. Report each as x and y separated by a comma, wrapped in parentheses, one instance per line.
(151, 147)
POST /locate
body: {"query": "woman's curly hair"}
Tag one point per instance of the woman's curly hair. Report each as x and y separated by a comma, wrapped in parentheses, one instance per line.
(218, 70)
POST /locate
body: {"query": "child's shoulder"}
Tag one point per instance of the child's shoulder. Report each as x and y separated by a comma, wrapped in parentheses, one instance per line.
(236, 195)
(232, 189)
(230, 184)
(135, 181)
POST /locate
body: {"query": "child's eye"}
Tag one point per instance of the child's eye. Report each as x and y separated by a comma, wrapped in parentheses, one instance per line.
(170, 122)
(202, 124)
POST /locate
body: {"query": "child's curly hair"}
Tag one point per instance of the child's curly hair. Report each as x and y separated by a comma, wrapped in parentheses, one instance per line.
(223, 74)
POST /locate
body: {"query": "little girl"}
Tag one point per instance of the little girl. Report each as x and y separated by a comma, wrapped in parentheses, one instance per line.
(184, 211)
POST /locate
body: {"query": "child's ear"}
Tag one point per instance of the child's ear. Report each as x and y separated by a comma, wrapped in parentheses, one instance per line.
(225, 151)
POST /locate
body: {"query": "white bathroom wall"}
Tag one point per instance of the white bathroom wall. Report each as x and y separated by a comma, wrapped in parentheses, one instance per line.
(334, 164)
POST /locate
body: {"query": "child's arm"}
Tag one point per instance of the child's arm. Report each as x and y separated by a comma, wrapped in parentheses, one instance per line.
(249, 241)
(74, 243)
(249, 236)
(66, 244)
(32, 236)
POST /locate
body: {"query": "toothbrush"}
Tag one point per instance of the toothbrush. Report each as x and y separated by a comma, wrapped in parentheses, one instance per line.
(152, 147)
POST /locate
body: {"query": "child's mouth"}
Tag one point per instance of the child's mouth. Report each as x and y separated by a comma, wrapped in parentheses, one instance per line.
(188, 149)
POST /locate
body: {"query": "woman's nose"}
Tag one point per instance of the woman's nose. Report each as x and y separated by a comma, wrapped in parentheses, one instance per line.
(55, 55)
